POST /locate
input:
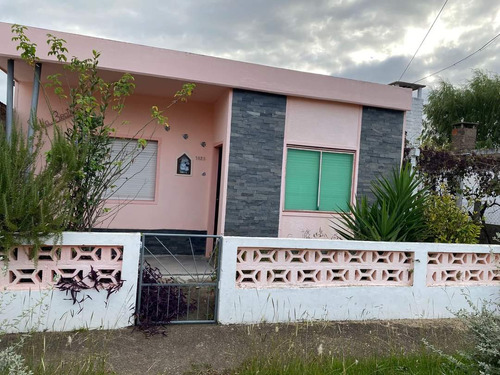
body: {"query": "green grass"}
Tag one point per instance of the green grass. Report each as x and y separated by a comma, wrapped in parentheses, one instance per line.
(89, 365)
(415, 364)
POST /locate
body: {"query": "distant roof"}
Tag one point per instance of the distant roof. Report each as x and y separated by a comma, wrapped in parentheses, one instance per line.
(407, 85)
(465, 124)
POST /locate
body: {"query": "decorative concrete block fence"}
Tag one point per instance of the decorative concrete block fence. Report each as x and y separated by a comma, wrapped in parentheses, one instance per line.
(286, 280)
(261, 280)
(29, 299)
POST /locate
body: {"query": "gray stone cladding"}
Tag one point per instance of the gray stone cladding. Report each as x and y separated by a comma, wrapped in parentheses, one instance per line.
(255, 160)
(381, 143)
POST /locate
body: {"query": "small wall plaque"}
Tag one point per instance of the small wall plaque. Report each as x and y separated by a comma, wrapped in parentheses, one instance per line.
(184, 165)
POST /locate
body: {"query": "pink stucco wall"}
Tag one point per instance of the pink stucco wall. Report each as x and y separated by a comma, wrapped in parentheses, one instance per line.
(322, 111)
(222, 136)
(322, 125)
(126, 57)
(181, 202)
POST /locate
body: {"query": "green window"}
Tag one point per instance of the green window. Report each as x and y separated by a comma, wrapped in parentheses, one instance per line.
(317, 180)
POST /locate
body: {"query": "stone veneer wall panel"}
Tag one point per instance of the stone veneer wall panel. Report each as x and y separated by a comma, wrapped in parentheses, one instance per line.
(255, 161)
(380, 148)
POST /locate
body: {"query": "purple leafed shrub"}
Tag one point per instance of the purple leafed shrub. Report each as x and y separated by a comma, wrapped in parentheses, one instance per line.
(160, 302)
(74, 285)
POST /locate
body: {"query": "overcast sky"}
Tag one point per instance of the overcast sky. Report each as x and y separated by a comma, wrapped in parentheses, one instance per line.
(370, 40)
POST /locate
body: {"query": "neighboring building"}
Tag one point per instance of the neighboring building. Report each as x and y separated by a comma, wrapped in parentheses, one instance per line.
(257, 151)
(414, 125)
(463, 140)
(3, 114)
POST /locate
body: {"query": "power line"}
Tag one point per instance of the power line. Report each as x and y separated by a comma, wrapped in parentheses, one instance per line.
(459, 61)
(423, 40)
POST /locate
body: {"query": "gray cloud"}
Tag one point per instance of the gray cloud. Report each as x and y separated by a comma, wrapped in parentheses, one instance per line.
(320, 36)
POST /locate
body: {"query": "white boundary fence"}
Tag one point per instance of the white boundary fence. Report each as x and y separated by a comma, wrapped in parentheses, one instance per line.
(29, 301)
(287, 280)
(261, 280)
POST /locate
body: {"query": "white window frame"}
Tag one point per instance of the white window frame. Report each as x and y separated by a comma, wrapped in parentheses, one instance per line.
(142, 172)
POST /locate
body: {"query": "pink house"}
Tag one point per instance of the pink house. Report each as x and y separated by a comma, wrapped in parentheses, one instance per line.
(257, 151)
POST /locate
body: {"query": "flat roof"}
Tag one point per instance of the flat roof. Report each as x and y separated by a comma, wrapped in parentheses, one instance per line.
(188, 67)
(408, 85)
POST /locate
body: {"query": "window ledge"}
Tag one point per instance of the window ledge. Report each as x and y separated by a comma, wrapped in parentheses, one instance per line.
(310, 213)
(126, 202)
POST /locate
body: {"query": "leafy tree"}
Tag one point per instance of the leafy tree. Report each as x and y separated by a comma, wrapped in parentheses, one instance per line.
(477, 101)
(94, 172)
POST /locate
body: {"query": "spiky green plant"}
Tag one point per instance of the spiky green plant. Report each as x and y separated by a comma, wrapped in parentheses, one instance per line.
(396, 213)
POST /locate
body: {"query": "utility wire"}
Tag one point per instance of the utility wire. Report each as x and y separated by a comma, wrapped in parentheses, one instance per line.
(423, 40)
(459, 61)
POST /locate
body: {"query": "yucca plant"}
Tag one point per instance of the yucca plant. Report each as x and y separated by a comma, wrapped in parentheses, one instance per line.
(396, 214)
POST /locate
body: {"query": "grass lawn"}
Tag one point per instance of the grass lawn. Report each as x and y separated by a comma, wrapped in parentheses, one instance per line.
(424, 363)
(415, 364)
(376, 347)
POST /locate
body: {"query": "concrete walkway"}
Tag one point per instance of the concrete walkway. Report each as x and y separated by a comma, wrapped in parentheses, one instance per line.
(183, 268)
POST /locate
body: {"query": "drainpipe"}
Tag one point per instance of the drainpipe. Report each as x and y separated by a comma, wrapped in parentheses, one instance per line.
(34, 103)
(10, 98)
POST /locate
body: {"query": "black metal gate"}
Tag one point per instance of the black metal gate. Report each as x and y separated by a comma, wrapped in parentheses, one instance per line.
(178, 279)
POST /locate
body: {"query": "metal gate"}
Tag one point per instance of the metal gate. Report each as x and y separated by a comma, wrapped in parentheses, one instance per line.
(178, 279)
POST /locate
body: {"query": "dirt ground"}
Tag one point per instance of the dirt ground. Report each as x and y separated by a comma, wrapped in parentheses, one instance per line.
(130, 351)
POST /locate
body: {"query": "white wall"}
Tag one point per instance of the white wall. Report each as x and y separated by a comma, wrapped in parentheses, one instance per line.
(492, 214)
(414, 121)
(252, 305)
(50, 309)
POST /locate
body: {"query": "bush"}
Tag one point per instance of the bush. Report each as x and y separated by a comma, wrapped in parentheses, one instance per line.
(12, 363)
(159, 304)
(448, 223)
(397, 213)
(483, 325)
(33, 199)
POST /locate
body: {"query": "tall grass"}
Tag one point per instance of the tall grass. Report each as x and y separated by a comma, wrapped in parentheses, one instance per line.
(35, 354)
(88, 365)
(423, 363)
